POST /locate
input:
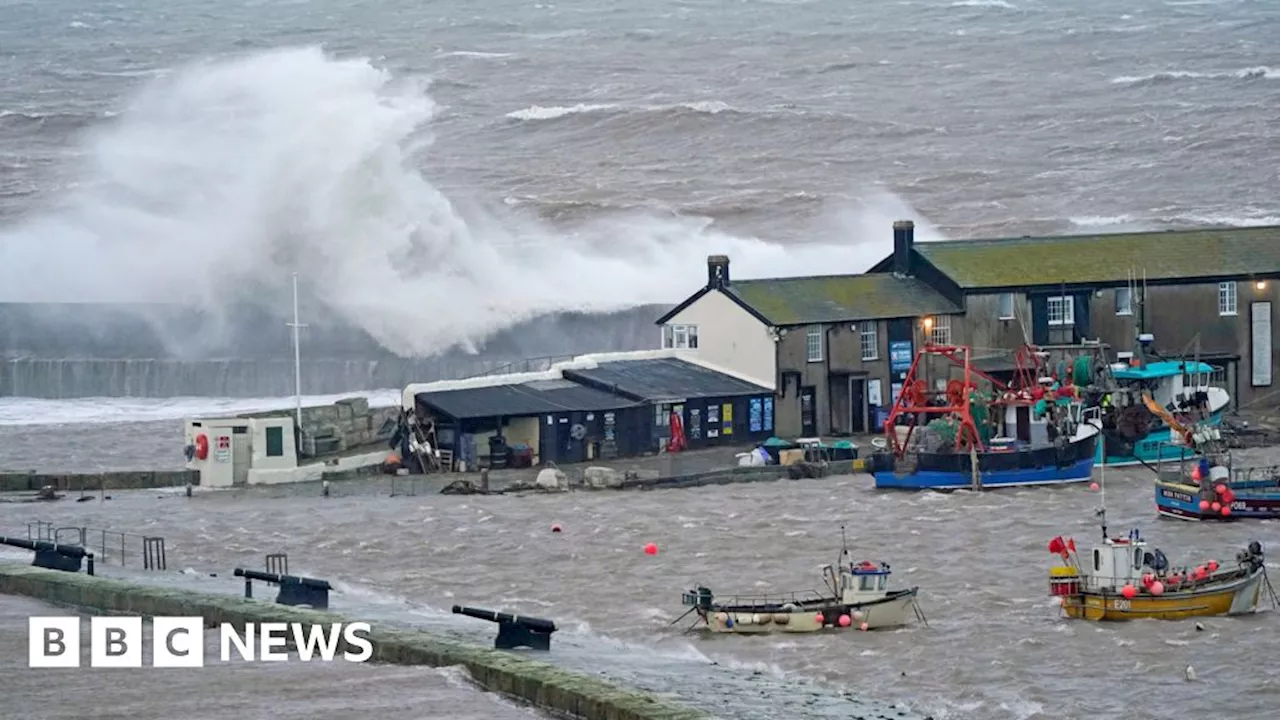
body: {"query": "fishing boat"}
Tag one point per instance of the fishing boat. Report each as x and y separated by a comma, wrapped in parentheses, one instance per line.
(1211, 488)
(1135, 414)
(857, 597)
(1005, 436)
(1120, 579)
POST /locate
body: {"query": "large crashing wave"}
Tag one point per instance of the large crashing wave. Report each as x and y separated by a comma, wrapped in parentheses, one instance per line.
(223, 178)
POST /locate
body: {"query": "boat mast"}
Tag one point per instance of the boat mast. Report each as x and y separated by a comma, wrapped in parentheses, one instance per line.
(1102, 485)
(297, 355)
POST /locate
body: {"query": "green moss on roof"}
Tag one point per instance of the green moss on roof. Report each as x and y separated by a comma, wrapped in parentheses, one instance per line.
(840, 298)
(1071, 259)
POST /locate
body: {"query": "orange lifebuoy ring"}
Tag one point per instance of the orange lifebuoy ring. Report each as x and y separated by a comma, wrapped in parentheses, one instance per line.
(202, 446)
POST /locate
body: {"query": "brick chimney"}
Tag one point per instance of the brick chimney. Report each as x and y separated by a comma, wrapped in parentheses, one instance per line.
(904, 237)
(717, 271)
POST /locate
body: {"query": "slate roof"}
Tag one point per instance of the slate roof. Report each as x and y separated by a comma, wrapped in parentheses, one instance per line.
(840, 298)
(664, 379)
(1084, 259)
(538, 397)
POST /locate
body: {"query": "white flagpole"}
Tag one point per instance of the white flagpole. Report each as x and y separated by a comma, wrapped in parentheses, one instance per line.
(297, 354)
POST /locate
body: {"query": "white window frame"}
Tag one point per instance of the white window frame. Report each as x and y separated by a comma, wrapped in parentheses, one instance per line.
(940, 333)
(680, 337)
(1228, 298)
(1126, 307)
(1066, 310)
(1000, 306)
(813, 343)
(870, 341)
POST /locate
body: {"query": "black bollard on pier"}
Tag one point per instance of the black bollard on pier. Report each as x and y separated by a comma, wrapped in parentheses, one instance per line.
(514, 631)
(294, 590)
(52, 556)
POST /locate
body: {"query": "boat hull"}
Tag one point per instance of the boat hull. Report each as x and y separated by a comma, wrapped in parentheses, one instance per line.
(893, 611)
(1153, 449)
(1182, 502)
(1041, 466)
(1236, 597)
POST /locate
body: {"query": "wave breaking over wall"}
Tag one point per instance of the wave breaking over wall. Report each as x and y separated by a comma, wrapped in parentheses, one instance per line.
(220, 179)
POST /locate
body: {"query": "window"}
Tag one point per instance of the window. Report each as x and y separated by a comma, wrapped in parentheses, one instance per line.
(941, 332)
(1227, 298)
(1062, 310)
(813, 343)
(275, 441)
(870, 346)
(680, 337)
(1006, 306)
(1124, 301)
(662, 415)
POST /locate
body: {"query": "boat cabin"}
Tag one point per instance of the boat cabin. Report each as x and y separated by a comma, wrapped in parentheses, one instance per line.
(863, 581)
(1172, 383)
(1115, 563)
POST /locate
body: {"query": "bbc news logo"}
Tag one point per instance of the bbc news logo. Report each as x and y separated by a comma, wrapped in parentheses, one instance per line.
(179, 642)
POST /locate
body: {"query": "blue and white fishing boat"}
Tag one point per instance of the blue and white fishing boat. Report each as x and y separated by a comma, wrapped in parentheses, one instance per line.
(1012, 437)
(1144, 394)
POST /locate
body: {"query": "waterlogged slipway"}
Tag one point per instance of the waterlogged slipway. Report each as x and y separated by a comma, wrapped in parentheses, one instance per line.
(996, 648)
(231, 691)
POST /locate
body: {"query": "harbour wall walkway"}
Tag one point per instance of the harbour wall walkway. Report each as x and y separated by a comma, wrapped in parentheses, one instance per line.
(540, 684)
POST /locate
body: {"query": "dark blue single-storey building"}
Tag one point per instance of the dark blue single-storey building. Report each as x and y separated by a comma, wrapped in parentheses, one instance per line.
(592, 408)
(715, 408)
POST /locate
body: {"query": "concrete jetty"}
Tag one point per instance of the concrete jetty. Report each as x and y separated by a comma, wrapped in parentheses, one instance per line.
(540, 684)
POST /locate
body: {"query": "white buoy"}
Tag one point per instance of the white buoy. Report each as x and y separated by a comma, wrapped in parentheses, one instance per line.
(1190, 673)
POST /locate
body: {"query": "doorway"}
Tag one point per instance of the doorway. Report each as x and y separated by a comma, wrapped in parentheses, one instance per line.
(858, 405)
(808, 411)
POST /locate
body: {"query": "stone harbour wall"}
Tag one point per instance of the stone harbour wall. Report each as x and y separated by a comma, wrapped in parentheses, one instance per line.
(345, 425)
(543, 685)
(71, 482)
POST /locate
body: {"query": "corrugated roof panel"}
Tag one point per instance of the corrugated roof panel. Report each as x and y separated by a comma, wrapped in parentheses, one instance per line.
(663, 378)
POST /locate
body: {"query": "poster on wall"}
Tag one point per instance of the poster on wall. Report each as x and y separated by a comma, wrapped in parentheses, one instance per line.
(900, 355)
(755, 413)
(873, 393)
(223, 453)
(726, 415)
(896, 389)
(695, 425)
(768, 414)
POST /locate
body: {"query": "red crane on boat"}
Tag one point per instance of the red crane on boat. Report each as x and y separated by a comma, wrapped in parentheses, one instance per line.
(915, 399)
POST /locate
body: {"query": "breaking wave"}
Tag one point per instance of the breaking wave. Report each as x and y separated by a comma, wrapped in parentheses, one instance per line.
(538, 112)
(223, 178)
(1261, 72)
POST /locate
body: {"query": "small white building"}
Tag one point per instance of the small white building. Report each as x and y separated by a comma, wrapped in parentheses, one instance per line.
(237, 451)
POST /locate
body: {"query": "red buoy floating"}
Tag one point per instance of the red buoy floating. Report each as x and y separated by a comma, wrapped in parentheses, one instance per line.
(845, 621)
(1216, 506)
(651, 549)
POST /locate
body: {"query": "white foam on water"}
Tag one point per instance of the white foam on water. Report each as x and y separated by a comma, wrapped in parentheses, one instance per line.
(37, 411)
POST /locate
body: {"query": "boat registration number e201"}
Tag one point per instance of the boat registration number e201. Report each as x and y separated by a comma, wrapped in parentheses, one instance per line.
(1121, 605)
